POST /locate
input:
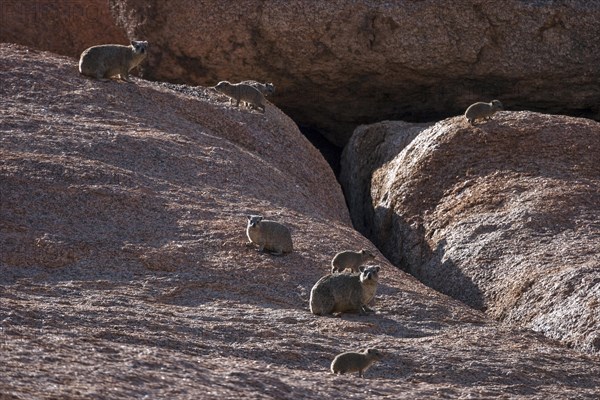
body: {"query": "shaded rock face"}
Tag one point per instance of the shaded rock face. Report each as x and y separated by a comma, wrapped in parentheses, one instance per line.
(62, 26)
(337, 64)
(370, 148)
(502, 216)
(124, 271)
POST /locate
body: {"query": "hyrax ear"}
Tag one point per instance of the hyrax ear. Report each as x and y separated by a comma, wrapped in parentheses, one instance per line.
(377, 269)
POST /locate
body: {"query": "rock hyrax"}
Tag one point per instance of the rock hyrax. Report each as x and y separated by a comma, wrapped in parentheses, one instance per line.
(269, 235)
(482, 110)
(242, 92)
(355, 362)
(108, 60)
(344, 292)
(350, 259)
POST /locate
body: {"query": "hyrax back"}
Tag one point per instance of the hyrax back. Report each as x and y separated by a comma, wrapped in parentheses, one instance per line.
(242, 92)
(482, 110)
(269, 235)
(344, 292)
(355, 362)
(108, 60)
(350, 259)
(267, 89)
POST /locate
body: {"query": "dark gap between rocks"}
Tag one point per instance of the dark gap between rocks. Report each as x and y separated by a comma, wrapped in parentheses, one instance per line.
(330, 152)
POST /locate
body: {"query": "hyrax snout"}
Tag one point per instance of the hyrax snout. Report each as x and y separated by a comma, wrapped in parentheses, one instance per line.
(344, 292)
(242, 92)
(482, 110)
(350, 259)
(269, 235)
(109, 60)
(355, 362)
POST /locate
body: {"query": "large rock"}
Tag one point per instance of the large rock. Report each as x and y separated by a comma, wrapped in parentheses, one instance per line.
(337, 64)
(503, 216)
(124, 271)
(62, 26)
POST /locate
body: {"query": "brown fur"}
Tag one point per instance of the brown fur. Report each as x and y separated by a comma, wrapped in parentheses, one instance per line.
(267, 89)
(344, 292)
(355, 362)
(109, 60)
(482, 110)
(269, 235)
(350, 259)
(242, 92)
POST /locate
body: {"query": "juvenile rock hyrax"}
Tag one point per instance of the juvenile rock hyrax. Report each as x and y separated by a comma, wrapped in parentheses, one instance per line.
(482, 110)
(269, 235)
(108, 60)
(350, 259)
(344, 292)
(355, 362)
(242, 92)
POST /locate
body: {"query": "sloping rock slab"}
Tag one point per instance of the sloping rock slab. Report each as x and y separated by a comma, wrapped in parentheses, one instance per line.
(124, 271)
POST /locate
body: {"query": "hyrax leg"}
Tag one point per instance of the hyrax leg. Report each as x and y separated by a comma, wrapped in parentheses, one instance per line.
(365, 309)
(274, 252)
(124, 74)
(277, 252)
